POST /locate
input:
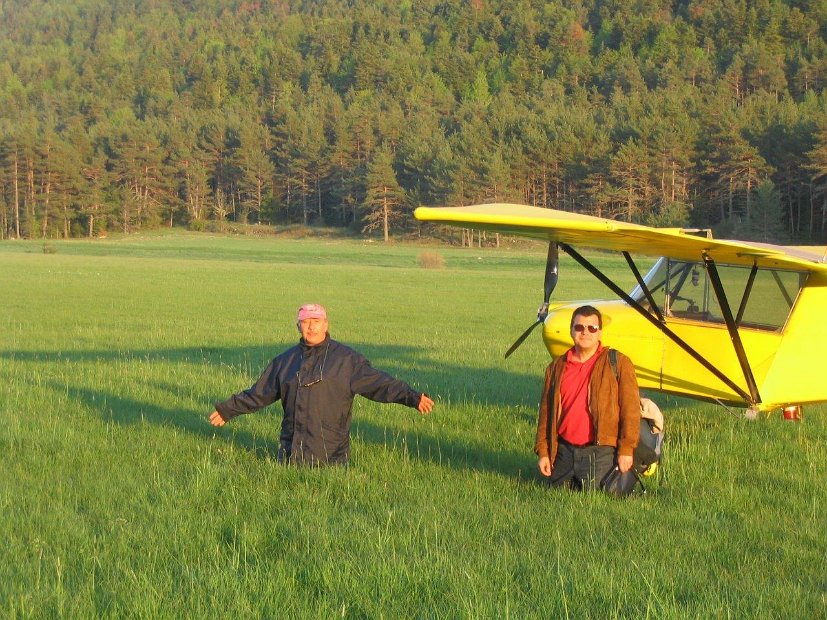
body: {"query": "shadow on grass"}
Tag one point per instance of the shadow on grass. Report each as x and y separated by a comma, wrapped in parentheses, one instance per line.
(446, 452)
(446, 383)
(453, 383)
(126, 411)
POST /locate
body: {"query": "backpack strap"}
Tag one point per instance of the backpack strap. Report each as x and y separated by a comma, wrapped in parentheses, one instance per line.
(613, 361)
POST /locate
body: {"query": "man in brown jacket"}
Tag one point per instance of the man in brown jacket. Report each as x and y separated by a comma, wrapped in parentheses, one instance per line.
(589, 419)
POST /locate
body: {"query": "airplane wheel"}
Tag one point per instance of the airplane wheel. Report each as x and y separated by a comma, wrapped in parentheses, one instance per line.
(751, 414)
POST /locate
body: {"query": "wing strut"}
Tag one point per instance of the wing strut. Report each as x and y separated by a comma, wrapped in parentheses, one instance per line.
(734, 336)
(747, 293)
(662, 326)
(643, 287)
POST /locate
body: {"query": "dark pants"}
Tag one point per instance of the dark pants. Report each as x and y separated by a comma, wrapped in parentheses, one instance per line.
(284, 451)
(302, 457)
(581, 468)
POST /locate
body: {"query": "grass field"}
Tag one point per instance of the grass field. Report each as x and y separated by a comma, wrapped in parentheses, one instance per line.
(120, 500)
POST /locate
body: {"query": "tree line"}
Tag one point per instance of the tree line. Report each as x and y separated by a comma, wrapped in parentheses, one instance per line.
(130, 115)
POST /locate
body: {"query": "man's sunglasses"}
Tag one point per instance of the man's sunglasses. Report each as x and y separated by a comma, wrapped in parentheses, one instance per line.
(593, 329)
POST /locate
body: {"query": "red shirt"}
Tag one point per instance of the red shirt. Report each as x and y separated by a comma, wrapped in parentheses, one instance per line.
(576, 425)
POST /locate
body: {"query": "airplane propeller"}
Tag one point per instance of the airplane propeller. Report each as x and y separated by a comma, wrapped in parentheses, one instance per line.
(548, 287)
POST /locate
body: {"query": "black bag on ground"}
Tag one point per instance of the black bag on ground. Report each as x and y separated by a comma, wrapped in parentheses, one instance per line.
(618, 484)
(646, 456)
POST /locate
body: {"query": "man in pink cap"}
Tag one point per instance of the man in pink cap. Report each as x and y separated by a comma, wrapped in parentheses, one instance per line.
(316, 381)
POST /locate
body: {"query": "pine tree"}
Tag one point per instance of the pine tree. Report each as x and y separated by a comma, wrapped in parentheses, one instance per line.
(766, 222)
(215, 142)
(256, 170)
(384, 197)
(817, 166)
(10, 163)
(732, 167)
(629, 178)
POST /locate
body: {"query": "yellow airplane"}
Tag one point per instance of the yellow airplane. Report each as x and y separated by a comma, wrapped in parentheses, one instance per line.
(733, 322)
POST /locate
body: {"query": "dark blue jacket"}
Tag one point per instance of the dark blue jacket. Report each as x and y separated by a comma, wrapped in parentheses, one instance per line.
(316, 386)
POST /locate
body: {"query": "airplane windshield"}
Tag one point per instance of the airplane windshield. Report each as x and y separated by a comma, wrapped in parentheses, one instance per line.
(683, 290)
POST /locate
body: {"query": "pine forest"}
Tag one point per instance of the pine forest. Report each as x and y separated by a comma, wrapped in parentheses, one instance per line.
(131, 115)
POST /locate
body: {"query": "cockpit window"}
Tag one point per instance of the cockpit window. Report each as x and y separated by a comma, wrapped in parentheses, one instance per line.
(683, 290)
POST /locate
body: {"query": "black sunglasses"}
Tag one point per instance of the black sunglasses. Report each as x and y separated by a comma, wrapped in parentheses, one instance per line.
(593, 329)
(307, 383)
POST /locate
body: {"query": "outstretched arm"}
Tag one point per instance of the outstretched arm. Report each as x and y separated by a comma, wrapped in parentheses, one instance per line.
(381, 387)
(262, 393)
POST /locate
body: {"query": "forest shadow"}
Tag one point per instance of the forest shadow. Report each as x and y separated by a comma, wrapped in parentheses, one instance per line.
(446, 383)
(445, 451)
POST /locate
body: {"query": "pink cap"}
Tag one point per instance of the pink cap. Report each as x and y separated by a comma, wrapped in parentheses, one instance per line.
(311, 311)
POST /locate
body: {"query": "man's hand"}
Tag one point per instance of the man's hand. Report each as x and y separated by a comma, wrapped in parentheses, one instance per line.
(216, 419)
(624, 463)
(544, 465)
(425, 405)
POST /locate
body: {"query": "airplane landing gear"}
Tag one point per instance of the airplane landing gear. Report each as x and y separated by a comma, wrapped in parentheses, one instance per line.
(793, 413)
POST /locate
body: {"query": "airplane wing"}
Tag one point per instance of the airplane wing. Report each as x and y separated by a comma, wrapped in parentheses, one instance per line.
(612, 235)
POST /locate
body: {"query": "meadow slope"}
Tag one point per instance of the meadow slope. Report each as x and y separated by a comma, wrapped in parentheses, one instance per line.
(119, 499)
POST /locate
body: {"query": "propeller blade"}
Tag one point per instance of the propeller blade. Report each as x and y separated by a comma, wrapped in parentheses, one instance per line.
(552, 262)
(522, 338)
(550, 281)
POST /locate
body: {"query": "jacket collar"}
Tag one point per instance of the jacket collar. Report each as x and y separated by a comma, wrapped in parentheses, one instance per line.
(306, 348)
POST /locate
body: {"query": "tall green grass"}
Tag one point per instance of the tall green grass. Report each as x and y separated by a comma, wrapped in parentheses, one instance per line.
(119, 499)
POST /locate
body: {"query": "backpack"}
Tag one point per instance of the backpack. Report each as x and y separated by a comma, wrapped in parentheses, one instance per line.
(650, 447)
(648, 452)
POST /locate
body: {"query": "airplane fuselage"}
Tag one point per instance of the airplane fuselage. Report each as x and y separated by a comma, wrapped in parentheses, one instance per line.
(784, 360)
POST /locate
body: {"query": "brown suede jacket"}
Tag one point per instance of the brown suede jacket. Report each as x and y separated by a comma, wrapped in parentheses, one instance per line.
(614, 405)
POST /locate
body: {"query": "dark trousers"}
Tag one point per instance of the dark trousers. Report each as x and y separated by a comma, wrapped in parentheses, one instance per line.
(302, 457)
(581, 468)
(284, 451)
